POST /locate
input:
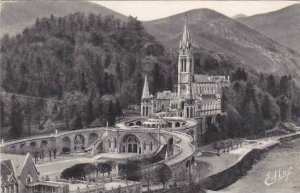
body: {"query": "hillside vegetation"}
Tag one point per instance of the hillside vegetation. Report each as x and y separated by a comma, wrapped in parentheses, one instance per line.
(84, 61)
(282, 26)
(17, 15)
(94, 66)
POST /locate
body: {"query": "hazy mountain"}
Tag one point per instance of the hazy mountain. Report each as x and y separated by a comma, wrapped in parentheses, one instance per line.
(216, 33)
(15, 16)
(239, 16)
(282, 26)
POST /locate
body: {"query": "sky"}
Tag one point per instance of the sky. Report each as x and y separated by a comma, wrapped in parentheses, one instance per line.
(150, 10)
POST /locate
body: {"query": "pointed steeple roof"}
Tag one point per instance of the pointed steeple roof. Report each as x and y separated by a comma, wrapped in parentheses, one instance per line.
(146, 93)
(186, 39)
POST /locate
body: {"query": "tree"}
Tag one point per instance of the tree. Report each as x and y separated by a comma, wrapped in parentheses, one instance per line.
(158, 79)
(89, 112)
(266, 107)
(110, 114)
(9, 78)
(284, 106)
(104, 167)
(16, 118)
(83, 83)
(28, 115)
(119, 74)
(130, 171)
(239, 74)
(88, 169)
(286, 86)
(2, 115)
(78, 122)
(272, 87)
(163, 173)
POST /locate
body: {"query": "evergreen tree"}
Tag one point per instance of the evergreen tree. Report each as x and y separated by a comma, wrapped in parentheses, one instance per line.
(83, 83)
(118, 109)
(224, 101)
(239, 74)
(119, 74)
(110, 114)
(106, 88)
(89, 112)
(99, 112)
(266, 108)
(16, 118)
(78, 122)
(2, 115)
(284, 106)
(272, 85)
(111, 84)
(158, 83)
(9, 78)
(286, 86)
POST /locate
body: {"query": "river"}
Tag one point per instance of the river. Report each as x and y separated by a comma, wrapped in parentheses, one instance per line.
(285, 158)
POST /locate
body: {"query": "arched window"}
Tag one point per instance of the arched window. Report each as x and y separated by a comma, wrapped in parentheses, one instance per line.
(191, 112)
(181, 65)
(151, 146)
(177, 124)
(143, 113)
(146, 111)
(28, 179)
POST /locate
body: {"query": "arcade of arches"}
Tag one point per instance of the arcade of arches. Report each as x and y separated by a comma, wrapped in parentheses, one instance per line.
(131, 144)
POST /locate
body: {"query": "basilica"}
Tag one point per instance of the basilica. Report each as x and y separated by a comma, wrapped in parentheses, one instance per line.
(195, 96)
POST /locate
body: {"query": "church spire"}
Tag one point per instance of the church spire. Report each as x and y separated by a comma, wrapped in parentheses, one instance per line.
(186, 40)
(146, 93)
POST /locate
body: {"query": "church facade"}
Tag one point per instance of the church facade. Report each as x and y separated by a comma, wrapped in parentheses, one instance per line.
(196, 95)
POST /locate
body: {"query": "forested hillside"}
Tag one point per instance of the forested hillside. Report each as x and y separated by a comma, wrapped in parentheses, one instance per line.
(82, 70)
(84, 61)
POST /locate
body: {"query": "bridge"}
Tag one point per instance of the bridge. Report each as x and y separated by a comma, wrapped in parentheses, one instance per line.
(128, 138)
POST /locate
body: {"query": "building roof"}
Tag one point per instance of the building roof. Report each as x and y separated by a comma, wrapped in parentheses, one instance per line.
(18, 162)
(146, 93)
(6, 169)
(49, 183)
(166, 95)
(201, 78)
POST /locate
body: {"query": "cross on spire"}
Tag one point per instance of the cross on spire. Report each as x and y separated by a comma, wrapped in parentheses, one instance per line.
(186, 40)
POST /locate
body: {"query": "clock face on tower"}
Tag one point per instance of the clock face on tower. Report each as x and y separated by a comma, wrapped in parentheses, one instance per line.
(183, 87)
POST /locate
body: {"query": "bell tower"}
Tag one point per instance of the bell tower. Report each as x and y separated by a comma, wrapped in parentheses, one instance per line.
(146, 101)
(185, 63)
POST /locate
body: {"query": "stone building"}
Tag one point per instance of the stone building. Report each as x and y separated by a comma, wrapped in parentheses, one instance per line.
(9, 182)
(19, 172)
(196, 95)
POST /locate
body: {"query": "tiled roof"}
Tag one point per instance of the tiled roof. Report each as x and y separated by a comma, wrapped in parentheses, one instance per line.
(166, 95)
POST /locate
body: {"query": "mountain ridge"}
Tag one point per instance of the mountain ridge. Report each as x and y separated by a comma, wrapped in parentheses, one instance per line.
(271, 24)
(16, 16)
(213, 31)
